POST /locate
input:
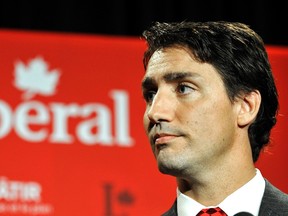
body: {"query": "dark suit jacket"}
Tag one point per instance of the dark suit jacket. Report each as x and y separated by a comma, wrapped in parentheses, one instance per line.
(274, 203)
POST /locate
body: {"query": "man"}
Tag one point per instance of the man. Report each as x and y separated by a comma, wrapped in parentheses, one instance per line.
(211, 103)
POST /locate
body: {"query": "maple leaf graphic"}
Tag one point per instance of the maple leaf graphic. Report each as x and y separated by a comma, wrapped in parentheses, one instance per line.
(35, 78)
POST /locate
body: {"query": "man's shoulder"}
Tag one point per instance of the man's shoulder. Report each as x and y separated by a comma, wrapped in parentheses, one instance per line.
(273, 193)
(172, 211)
(274, 200)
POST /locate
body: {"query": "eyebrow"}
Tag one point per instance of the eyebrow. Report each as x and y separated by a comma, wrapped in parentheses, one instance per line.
(169, 77)
(148, 82)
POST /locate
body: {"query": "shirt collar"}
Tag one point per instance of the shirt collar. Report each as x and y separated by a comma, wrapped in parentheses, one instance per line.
(245, 199)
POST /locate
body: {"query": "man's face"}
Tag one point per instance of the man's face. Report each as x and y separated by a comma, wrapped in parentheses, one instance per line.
(189, 119)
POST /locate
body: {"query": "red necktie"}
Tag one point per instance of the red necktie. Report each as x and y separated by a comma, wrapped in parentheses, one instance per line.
(212, 212)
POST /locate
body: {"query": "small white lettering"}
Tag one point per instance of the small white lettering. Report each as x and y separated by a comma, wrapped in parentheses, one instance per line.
(19, 191)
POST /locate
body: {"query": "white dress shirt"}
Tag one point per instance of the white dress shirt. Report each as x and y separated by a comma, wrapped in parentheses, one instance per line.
(245, 199)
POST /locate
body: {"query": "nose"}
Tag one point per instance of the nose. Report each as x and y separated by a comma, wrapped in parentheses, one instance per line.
(162, 107)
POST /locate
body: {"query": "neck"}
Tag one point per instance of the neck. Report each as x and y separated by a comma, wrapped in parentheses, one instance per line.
(212, 185)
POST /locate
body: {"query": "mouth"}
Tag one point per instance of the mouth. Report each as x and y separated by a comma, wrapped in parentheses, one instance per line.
(161, 140)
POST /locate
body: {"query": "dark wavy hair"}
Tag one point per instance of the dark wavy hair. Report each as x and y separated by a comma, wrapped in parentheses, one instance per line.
(239, 55)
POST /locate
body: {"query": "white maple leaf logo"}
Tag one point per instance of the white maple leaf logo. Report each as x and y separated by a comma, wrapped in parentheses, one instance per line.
(35, 78)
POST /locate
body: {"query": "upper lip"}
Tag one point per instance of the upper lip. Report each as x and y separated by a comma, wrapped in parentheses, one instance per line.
(157, 135)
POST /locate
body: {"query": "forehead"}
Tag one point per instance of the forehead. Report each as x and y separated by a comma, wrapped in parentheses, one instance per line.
(169, 57)
(179, 60)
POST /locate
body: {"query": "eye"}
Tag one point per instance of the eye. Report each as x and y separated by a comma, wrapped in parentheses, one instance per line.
(184, 89)
(149, 95)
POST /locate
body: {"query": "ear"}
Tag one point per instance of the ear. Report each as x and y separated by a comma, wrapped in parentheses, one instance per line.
(249, 107)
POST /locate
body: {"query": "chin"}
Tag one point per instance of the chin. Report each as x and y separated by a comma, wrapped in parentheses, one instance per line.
(168, 168)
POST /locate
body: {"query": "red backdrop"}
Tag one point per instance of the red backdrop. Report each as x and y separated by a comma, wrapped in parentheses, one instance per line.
(72, 140)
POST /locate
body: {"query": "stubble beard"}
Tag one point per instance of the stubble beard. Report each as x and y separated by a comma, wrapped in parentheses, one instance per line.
(171, 166)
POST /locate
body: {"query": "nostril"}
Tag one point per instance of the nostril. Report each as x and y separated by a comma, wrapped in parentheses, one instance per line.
(154, 119)
(150, 125)
(154, 124)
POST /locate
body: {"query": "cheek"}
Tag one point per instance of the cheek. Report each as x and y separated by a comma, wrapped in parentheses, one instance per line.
(203, 118)
(216, 120)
